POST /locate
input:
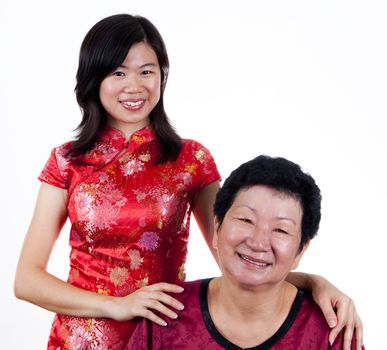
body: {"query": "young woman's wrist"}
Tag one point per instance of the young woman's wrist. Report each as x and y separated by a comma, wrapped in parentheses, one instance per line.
(106, 306)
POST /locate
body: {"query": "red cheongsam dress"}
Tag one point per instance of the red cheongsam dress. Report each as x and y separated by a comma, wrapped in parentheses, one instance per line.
(129, 224)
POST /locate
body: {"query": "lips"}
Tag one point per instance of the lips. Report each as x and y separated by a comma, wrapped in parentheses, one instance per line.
(133, 105)
(256, 262)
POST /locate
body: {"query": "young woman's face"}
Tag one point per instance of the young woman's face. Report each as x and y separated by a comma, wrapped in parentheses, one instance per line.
(130, 92)
(258, 241)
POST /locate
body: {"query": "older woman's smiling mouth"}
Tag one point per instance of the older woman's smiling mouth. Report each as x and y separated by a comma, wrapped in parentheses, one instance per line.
(256, 262)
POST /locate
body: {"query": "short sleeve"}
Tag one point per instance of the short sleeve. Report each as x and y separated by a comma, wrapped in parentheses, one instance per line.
(206, 170)
(55, 172)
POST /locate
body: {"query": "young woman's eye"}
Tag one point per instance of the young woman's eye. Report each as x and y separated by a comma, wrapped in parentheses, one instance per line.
(146, 72)
(119, 74)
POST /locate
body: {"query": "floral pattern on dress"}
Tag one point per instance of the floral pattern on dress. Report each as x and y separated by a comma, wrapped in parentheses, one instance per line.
(80, 338)
(129, 223)
(135, 259)
(149, 241)
(98, 205)
(119, 275)
(185, 177)
(90, 334)
(131, 167)
(166, 203)
(103, 216)
(145, 157)
(142, 282)
(62, 161)
(83, 202)
(106, 338)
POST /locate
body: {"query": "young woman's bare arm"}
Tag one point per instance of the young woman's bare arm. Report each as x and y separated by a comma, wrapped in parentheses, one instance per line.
(34, 284)
(203, 211)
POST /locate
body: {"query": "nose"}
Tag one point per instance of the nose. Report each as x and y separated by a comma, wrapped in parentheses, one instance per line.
(132, 84)
(259, 240)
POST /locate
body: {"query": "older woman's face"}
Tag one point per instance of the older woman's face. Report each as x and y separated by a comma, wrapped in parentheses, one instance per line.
(258, 241)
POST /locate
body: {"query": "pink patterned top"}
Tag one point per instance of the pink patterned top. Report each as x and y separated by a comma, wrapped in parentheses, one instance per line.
(129, 223)
(304, 328)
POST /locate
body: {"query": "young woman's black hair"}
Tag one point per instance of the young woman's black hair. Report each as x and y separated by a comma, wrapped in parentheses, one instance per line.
(103, 50)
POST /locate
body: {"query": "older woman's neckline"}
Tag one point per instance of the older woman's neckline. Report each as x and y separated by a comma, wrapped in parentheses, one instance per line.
(266, 344)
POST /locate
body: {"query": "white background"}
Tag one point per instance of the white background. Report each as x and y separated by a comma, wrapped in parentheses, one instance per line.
(306, 80)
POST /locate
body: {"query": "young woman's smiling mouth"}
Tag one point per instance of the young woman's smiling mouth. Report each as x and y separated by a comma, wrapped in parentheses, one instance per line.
(133, 105)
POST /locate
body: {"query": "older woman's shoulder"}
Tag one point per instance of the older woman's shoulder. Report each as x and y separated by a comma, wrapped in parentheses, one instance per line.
(194, 288)
(309, 326)
(310, 310)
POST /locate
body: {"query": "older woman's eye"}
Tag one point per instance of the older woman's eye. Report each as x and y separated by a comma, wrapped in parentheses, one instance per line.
(246, 220)
(280, 230)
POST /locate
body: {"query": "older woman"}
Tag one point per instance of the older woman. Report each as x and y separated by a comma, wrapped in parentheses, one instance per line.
(266, 213)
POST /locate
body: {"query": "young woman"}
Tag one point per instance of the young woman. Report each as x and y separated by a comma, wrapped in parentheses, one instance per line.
(128, 184)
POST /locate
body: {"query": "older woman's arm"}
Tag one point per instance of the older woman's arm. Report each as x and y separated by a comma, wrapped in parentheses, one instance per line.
(339, 309)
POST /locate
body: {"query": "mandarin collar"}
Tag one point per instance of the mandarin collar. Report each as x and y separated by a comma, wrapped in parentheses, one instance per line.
(112, 142)
(116, 137)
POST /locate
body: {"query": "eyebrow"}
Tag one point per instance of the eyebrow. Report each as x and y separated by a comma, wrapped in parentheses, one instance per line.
(285, 218)
(246, 206)
(277, 218)
(142, 66)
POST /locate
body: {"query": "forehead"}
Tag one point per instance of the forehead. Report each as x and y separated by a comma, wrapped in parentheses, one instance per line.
(141, 51)
(261, 198)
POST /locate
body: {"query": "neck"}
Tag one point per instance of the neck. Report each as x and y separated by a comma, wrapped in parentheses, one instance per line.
(128, 129)
(238, 311)
(253, 303)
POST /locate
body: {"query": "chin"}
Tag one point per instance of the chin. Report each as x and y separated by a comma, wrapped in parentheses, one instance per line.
(249, 283)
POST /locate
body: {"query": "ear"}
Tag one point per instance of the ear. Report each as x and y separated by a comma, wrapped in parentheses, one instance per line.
(215, 235)
(299, 255)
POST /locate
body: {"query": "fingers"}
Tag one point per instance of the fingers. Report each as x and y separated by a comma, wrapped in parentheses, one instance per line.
(152, 301)
(328, 311)
(153, 317)
(163, 298)
(157, 292)
(359, 333)
(348, 333)
(350, 329)
(346, 318)
(165, 287)
(152, 306)
(339, 311)
(149, 301)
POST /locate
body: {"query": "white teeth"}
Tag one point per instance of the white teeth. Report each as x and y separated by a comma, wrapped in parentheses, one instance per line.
(252, 261)
(132, 104)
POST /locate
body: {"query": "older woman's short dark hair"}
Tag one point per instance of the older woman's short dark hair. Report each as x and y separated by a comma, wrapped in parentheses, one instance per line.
(281, 175)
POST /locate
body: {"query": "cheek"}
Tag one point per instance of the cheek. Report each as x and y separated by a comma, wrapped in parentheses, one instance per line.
(230, 240)
(285, 250)
(105, 91)
(155, 88)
